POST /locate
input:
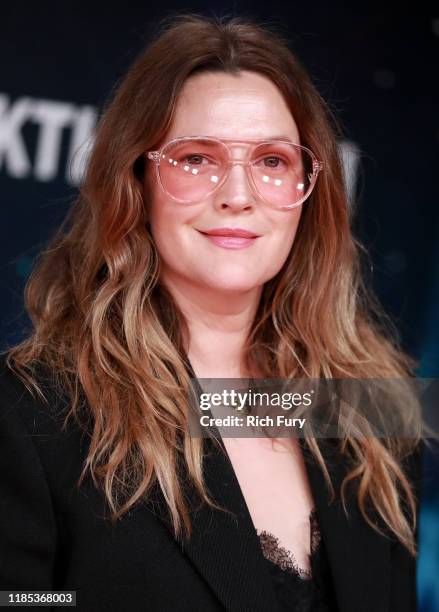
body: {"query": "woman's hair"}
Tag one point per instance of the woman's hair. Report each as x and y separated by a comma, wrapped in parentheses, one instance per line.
(115, 338)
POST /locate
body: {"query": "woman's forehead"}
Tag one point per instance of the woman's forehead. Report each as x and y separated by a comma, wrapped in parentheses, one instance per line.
(247, 105)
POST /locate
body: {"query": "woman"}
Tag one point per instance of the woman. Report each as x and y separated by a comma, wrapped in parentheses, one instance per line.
(211, 239)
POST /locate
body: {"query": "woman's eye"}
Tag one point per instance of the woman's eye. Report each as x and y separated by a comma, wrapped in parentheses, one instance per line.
(195, 160)
(272, 162)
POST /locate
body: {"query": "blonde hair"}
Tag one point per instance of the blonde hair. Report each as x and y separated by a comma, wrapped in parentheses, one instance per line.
(115, 338)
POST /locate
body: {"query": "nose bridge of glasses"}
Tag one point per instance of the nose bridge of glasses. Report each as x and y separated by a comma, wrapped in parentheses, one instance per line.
(239, 153)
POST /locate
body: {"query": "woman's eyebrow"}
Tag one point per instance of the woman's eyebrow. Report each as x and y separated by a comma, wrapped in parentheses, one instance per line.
(288, 137)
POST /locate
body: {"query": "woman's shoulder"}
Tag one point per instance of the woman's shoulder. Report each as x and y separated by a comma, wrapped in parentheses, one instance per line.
(18, 398)
(34, 430)
(28, 419)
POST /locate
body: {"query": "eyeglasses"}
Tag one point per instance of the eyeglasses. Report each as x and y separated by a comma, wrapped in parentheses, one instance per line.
(281, 173)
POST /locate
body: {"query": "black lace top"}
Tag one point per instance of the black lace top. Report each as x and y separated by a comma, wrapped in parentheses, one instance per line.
(298, 589)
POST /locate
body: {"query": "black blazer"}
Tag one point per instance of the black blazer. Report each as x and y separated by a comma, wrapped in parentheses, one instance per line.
(54, 536)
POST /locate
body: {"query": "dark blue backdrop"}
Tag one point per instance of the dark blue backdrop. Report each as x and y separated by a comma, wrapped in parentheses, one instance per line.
(376, 68)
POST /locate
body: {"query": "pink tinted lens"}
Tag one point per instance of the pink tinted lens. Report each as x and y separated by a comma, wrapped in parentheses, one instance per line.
(191, 169)
(282, 172)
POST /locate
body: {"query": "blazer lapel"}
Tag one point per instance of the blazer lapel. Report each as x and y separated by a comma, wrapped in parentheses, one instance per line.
(224, 546)
(359, 557)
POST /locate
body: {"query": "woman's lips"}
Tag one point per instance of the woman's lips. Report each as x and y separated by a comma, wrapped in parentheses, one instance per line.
(230, 241)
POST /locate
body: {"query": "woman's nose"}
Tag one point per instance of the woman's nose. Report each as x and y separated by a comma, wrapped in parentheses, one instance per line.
(236, 191)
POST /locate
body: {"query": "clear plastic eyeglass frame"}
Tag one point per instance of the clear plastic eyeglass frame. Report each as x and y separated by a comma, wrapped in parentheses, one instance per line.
(317, 166)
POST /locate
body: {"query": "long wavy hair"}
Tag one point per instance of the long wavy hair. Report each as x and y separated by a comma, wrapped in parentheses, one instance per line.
(113, 336)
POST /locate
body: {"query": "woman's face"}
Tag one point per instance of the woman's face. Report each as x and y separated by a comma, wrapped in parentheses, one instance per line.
(247, 106)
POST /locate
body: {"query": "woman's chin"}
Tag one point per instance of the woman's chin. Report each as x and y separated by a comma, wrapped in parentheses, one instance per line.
(230, 284)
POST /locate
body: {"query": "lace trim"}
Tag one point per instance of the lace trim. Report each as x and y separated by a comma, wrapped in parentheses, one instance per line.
(284, 558)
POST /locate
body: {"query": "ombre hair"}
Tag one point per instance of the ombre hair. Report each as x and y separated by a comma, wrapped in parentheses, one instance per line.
(112, 334)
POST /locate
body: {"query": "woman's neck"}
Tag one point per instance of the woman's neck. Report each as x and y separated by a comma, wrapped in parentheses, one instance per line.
(218, 325)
